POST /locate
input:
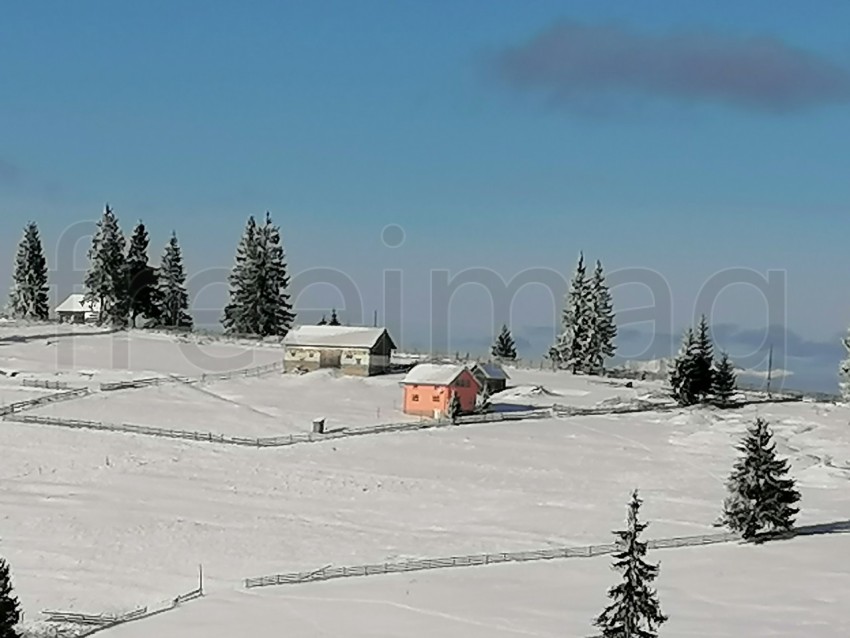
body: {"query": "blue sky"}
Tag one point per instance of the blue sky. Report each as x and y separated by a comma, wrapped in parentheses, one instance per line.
(680, 137)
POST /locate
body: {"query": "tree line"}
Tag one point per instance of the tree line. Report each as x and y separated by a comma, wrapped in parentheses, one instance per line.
(126, 290)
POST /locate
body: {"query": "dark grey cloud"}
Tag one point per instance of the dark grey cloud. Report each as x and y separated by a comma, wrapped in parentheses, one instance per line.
(571, 63)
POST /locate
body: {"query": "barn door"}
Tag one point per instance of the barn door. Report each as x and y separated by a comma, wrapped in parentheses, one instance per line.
(330, 359)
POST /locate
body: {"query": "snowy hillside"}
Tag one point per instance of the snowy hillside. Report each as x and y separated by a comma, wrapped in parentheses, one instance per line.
(100, 522)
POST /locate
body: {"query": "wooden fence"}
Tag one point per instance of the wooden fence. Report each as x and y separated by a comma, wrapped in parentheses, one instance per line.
(29, 404)
(43, 383)
(98, 622)
(256, 371)
(328, 573)
(273, 441)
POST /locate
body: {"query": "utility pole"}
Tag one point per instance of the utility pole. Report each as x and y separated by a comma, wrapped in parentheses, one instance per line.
(769, 368)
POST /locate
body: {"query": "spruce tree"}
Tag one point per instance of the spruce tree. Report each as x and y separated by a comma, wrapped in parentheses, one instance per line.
(106, 279)
(334, 319)
(844, 371)
(455, 407)
(703, 361)
(761, 497)
(259, 301)
(504, 348)
(10, 609)
(723, 382)
(683, 372)
(635, 611)
(323, 321)
(240, 316)
(28, 299)
(277, 314)
(603, 329)
(141, 278)
(571, 349)
(171, 296)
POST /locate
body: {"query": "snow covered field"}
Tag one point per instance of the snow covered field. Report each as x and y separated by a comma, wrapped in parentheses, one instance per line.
(81, 354)
(782, 590)
(98, 522)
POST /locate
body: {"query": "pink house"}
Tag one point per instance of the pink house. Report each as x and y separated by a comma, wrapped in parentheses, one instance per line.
(429, 387)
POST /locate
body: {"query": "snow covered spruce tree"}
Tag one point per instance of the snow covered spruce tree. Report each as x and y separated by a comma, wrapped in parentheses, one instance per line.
(10, 609)
(603, 329)
(844, 371)
(171, 297)
(723, 382)
(106, 280)
(141, 278)
(703, 361)
(635, 611)
(504, 348)
(259, 301)
(570, 351)
(334, 321)
(683, 372)
(28, 299)
(762, 497)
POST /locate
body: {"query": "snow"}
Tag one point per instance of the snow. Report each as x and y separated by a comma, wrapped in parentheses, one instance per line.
(334, 336)
(709, 592)
(99, 522)
(433, 374)
(76, 302)
(272, 405)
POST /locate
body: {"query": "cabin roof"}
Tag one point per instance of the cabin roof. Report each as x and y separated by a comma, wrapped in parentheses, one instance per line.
(433, 374)
(335, 337)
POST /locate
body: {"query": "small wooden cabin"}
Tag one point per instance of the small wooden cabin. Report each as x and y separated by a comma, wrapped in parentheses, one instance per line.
(429, 387)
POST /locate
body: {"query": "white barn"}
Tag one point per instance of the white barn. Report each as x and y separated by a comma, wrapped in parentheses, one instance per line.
(75, 309)
(352, 349)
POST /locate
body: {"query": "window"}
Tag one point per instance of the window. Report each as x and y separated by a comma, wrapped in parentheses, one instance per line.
(415, 397)
(435, 398)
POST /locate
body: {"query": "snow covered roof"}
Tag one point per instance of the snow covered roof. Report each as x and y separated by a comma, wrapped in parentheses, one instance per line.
(433, 374)
(491, 370)
(76, 303)
(335, 336)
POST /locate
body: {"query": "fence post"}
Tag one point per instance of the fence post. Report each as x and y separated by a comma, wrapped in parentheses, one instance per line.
(201, 579)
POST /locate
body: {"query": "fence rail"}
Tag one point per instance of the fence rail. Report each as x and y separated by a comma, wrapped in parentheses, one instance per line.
(44, 383)
(29, 404)
(328, 573)
(99, 622)
(272, 441)
(256, 371)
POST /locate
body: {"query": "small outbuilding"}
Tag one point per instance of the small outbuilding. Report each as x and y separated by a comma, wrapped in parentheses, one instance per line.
(429, 387)
(491, 376)
(354, 350)
(75, 309)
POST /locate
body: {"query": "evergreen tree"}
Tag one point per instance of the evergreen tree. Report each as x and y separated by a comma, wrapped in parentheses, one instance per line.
(635, 611)
(10, 609)
(323, 321)
(571, 349)
(259, 301)
(334, 319)
(455, 408)
(703, 361)
(240, 316)
(28, 299)
(277, 315)
(844, 371)
(141, 278)
(723, 382)
(504, 348)
(683, 371)
(761, 495)
(106, 280)
(171, 296)
(603, 329)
